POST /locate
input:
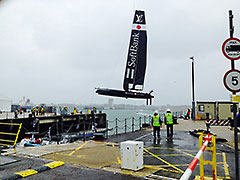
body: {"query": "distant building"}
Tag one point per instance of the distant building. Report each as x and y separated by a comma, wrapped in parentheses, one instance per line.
(110, 103)
(5, 104)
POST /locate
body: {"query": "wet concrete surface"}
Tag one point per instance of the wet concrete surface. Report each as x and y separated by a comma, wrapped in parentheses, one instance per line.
(171, 158)
(67, 171)
(6, 160)
(161, 158)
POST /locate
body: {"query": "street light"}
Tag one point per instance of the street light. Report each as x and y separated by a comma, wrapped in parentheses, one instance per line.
(193, 94)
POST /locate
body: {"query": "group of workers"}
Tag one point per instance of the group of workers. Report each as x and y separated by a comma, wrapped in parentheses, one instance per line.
(157, 124)
(38, 110)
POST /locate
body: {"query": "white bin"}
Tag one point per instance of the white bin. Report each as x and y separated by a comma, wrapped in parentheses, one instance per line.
(132, 155)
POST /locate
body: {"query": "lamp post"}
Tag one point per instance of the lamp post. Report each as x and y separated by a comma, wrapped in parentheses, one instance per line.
(193, 93)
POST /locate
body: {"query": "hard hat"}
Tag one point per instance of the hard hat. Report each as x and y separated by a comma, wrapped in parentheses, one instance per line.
(169, 110)
(156, 112)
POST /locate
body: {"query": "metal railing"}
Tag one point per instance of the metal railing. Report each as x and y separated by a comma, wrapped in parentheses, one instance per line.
(118, 126)
(10, 138)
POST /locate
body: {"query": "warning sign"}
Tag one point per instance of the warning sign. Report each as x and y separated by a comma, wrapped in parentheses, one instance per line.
(231, 48)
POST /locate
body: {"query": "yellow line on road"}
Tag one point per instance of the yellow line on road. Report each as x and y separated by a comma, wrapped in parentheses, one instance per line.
(188, 154)
(165, 155)
(174, 149)
(164, 161)
(110, 143)
(225, 166)
(162, 166)
(119, 160)
(98, 142)
(78, 148)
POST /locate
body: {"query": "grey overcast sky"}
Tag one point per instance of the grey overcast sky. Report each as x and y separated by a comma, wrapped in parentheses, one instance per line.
(58, 51)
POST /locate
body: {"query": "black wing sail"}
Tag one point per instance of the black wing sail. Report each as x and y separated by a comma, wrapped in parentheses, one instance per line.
(136, 64)
(137, 54)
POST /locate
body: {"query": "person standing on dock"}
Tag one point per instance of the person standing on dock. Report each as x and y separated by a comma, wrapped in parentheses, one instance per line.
(33, 111)
(169, 123)
(156, 123)
(75, 111)
(188, 114)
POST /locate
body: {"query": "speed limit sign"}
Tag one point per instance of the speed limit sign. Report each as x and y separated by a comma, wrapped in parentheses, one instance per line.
(231, 80)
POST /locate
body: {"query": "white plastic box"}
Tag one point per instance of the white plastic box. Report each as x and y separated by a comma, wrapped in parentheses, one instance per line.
(132, 155)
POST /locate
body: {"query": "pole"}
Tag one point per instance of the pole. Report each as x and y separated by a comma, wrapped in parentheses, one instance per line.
(194, 162)
(125, 125)
(231, 29)
(193, 93)
(132, 124)
(116, 126)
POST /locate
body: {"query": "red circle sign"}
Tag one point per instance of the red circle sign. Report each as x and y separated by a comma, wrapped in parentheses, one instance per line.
(231, 48)
(231, 80)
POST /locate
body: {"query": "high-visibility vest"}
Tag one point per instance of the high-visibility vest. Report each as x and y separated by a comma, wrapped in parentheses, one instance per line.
(156, 121)
(74, 111)
(169, 118)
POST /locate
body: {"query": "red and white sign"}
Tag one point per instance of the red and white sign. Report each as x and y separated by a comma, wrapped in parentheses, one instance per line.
(231, 48)
(231, 80)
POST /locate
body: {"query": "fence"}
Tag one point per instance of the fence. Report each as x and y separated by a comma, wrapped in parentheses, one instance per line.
(8, 137)
(126, 125)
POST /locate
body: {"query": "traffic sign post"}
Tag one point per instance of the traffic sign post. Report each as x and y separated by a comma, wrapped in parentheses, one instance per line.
(231, 48)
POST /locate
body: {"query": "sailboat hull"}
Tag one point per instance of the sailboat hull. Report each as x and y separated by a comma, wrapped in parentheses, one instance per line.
(124, 94)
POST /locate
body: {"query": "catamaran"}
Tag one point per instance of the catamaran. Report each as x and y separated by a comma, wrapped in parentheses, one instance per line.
(136, 64)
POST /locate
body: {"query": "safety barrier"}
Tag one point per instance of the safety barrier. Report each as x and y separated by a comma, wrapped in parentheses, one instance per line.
(128, 124)
(10, 138)
(214, 122)
(194, 162)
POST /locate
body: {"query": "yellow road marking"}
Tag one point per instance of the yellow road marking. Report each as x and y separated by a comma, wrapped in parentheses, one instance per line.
(78, 148)
(171, 149)
(165, 155)
(159, 166)
(98, 142)
(54, 164)
(133, 173)
(119, 160)
(164, 161)
(185, 153)
(169, 170)
(110, 143)
(225, 166)
(27, 172)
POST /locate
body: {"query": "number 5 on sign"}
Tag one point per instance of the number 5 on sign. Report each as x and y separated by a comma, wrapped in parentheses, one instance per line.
(231, 80)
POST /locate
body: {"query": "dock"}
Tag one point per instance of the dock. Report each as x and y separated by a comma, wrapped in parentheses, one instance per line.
(54, 125)
(162, 159)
